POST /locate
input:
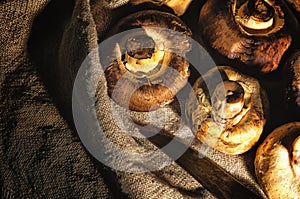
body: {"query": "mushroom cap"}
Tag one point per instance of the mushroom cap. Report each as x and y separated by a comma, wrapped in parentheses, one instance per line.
(274, 166)
(233, 133)
(258, 48)
(292, 81)
(149, 77)
(295, 4)
(178, 6)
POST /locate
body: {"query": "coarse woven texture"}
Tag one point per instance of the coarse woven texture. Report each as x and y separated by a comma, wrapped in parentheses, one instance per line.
(41, 154)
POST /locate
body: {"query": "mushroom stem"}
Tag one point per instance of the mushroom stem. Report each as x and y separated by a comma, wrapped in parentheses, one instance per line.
(256, 14)
(258, 17)
(142, 54)
(228, 99)
(143, 65)
(296, 156)
(260, 10)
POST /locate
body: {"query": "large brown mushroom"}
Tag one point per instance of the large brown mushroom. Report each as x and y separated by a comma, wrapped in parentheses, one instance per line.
(153, 68)
(255, 32)
(227, 110)
(277, 162)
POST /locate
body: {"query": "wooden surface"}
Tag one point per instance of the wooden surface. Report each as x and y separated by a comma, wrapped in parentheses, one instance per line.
(210, 175)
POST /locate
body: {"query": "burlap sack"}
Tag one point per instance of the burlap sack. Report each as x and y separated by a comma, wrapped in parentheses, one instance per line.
(43, 45)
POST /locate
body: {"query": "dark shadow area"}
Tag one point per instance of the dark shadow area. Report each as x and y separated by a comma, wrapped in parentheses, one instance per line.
(43, 47)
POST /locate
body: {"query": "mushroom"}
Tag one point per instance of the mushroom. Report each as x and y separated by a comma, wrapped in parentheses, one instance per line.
(233, 118)
(254, 32)
(292, 81)
(277, 162)
(178, 6)
(153, 67)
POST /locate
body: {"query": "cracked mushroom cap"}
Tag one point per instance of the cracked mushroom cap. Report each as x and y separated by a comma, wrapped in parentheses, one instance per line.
(277, 162)
(255, 32)
(153, 67)
(227, 110)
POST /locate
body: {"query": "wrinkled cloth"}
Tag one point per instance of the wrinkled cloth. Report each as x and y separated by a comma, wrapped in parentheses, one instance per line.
(43, 44)
(40, 155)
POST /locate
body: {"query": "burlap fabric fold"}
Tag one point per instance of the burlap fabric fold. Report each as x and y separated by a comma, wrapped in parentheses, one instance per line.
(43, 45)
